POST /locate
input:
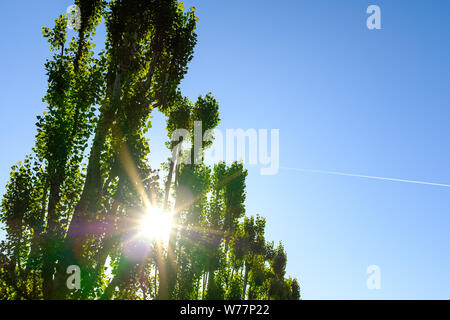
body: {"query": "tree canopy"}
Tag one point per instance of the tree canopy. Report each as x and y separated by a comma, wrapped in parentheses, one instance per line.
(79, 197)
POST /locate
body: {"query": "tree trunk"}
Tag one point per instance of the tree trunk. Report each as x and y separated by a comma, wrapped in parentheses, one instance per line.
(244, 289)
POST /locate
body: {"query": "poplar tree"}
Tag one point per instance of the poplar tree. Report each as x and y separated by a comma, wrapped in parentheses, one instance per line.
(75, 200)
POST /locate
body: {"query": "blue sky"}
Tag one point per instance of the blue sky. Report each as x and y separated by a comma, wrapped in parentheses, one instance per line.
(345, 99)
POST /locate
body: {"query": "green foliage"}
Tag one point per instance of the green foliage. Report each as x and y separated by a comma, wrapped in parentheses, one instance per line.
(78, 197)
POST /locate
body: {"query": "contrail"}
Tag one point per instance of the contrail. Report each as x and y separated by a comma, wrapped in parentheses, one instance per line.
(367, 177)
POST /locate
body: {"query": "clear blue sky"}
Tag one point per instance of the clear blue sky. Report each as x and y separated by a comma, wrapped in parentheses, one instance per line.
(344, 98)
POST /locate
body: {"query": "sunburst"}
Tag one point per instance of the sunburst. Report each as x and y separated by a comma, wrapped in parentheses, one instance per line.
(156, 224)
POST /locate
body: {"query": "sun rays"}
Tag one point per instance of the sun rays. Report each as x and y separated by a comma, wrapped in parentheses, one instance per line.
(155, 224)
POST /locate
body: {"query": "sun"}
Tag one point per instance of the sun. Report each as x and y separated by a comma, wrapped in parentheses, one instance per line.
(156, 225)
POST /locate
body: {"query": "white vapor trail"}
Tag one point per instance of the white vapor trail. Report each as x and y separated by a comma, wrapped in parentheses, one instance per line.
(367, 177)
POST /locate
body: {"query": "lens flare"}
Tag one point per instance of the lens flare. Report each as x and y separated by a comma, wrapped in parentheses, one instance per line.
(156, 224)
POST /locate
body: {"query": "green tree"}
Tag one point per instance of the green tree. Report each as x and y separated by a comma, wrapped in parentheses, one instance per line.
(79, 197)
